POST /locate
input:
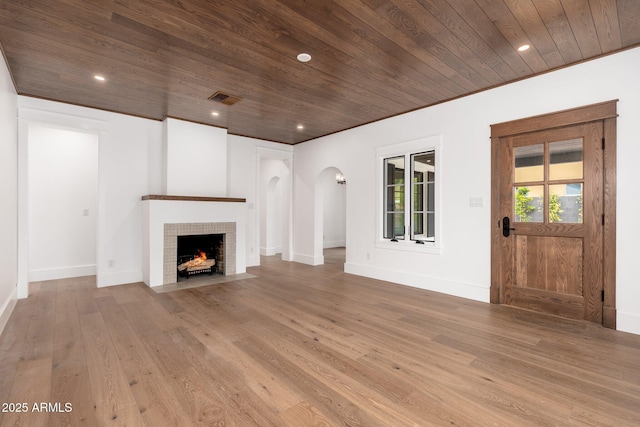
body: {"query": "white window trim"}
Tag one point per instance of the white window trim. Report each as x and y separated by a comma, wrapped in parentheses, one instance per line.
(401, 149)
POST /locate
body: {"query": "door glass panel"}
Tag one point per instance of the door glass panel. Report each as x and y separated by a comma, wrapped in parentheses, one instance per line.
(528, 202)
(529, 163)
(565, 203)
(565, 159)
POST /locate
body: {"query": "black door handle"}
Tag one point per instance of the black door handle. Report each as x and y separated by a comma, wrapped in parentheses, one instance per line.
(506, 226)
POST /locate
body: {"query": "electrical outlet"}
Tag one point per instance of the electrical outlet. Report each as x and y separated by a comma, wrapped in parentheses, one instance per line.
(368, 255)
(85, 212)
(111, 263)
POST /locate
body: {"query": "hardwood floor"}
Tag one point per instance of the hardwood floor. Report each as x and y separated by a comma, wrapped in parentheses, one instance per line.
(306, 346)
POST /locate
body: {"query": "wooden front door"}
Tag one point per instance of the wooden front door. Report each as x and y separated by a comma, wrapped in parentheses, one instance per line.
(549, 236)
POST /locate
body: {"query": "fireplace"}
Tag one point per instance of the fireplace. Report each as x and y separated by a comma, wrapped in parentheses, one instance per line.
(194, 236)
(168, 217)
(200, 254)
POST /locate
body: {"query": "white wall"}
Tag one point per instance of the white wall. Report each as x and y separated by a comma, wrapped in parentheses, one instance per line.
(130, 166)
(63, 203)
(196, 159)
(8, 194)
(273, 217)
(132, 163)
(463, 265)
(245, 157)
(272, 181)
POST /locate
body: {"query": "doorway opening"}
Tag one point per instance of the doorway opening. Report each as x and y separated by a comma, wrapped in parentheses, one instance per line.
(271, 230)
(274, 212)
(331, 216)
(62, 203)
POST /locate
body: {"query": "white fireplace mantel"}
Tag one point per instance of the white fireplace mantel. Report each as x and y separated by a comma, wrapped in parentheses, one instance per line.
(161, 210)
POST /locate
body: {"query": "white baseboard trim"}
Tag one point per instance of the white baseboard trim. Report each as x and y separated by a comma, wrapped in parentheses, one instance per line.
(628, 322)
(253, 261)
(7, 308)
(308, 259)
(458, 289)
(118, 278)
(270, 251)
(334, 244)
(42, 274)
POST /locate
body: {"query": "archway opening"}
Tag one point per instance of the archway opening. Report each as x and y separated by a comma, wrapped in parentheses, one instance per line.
(331, 213)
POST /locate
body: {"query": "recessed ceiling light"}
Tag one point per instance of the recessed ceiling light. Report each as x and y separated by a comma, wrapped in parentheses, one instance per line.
(99, 78)
(523, 48)
(215, 113)
(304, 57)
(300, 127)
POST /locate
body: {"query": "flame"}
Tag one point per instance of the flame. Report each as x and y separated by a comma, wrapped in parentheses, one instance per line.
(197, 260)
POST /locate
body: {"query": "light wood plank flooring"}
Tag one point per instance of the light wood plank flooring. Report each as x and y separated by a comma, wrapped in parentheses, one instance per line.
(306, 346)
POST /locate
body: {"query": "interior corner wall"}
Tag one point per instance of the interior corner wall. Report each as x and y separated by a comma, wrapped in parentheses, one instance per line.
(462, 267)
(196, 157)
(8, 194)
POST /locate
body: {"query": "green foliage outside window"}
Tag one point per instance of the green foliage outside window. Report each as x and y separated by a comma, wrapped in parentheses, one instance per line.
(554, 208)
(523, 207)
(579, 203)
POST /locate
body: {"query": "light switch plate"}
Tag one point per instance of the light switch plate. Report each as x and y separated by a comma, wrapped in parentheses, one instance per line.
(476, 202)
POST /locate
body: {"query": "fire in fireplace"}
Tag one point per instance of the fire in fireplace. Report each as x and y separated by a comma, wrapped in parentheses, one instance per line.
(200, 254)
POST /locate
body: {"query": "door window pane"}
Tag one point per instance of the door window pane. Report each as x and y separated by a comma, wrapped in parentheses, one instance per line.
(529, 163)
(528, 202)
(565, 159)
(565, 203)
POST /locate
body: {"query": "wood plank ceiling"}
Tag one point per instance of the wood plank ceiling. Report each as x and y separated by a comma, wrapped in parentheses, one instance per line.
(371, 59)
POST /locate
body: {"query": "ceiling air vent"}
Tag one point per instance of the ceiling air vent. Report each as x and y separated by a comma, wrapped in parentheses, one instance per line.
(224, 98)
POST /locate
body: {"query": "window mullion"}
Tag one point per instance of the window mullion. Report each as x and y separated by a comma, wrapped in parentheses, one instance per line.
(408, 197)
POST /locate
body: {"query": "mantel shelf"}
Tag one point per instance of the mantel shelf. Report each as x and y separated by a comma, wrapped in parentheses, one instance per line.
(193, 198)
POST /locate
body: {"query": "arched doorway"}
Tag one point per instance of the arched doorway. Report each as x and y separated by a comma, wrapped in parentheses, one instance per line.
(271, 221)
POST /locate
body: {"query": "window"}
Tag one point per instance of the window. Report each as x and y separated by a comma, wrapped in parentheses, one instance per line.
(423, 167)
(394, 198)
(409, 194)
